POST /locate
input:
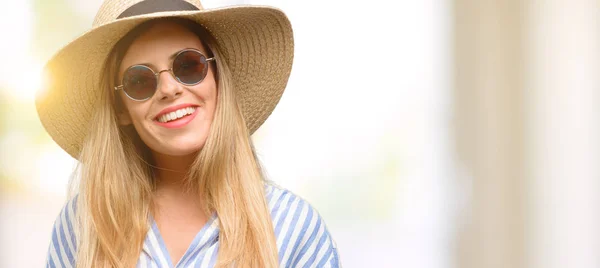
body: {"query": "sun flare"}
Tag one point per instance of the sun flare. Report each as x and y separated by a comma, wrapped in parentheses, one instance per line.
(21, 84)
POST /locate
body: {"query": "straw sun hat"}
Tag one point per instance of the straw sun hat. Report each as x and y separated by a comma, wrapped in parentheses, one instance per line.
(256, 41)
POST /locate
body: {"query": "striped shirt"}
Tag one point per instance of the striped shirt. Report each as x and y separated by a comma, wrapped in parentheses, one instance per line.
(302, 238)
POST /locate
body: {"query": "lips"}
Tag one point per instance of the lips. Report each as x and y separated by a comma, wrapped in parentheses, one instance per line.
(177, 119)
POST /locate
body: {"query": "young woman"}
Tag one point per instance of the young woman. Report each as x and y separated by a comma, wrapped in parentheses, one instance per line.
(158, 102)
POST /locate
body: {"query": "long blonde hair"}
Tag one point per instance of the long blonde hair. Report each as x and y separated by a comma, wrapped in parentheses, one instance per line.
(116, 179)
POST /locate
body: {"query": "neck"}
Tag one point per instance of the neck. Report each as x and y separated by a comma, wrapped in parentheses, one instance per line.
(172, 190)
(171, 171)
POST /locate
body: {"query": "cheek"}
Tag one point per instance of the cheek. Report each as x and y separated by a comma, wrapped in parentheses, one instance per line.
(211, 106)
(137, 114)
(137, 117)
(134, 109)
(207, 94)
(212, 92)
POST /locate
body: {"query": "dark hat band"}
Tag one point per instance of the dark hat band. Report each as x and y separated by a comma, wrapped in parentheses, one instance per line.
(151, 6)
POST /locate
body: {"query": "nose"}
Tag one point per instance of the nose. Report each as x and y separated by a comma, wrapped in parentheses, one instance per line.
(168, 87)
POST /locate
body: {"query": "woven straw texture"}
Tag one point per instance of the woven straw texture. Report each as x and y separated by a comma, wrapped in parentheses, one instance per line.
(257, 43)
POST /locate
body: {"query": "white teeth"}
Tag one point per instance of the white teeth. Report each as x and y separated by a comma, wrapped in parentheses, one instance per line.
(176, 114)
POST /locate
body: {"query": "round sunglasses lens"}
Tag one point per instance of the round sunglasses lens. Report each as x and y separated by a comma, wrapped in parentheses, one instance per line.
(190, 67)
(139, 82)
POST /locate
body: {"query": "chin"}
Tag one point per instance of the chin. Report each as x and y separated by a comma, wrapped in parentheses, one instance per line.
(181, 150)
(189, 143)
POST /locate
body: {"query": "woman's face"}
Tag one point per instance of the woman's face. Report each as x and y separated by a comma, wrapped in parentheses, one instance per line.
(188, 134)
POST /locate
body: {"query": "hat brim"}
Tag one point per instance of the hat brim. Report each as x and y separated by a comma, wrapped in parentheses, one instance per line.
(256, 41)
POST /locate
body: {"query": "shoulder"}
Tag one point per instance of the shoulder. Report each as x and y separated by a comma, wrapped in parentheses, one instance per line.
(62, 249)
(302, 237)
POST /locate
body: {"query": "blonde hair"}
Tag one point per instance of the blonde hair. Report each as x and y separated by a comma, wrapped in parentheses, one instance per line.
(116, 187)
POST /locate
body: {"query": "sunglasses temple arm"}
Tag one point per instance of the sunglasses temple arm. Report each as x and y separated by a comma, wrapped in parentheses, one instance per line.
(118, 87)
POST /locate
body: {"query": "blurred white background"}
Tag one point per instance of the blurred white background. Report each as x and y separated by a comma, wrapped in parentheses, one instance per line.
(434, 134)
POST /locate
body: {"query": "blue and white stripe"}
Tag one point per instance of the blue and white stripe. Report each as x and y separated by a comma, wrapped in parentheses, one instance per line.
(302, 238)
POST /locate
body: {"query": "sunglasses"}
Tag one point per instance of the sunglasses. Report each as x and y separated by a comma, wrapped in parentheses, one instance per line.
(189, 67)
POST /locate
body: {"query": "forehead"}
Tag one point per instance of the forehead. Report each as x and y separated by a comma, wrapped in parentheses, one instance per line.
(157, 43)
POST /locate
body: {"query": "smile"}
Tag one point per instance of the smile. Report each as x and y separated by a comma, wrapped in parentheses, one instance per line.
(176, 114)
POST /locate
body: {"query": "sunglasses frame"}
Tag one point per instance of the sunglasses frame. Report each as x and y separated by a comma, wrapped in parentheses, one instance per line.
(170, 70)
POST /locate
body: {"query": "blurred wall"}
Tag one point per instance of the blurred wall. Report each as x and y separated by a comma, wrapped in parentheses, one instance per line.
(489, 122)
(563, 133)
(527, 94)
